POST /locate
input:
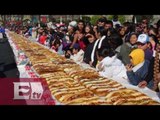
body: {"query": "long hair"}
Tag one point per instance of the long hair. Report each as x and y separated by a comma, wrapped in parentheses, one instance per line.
(156, 68)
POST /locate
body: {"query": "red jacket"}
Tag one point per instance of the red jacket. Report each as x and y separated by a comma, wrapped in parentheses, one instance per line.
(42, 39)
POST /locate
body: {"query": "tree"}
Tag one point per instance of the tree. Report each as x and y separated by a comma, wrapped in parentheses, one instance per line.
(86, 19)
(140, 17)
(121, 18)
(94, 19)
(3, 20)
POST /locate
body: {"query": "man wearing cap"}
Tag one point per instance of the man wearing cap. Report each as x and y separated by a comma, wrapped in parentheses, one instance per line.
(142, 43)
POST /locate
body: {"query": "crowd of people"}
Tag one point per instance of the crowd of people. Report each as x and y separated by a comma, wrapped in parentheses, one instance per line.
(125, 50)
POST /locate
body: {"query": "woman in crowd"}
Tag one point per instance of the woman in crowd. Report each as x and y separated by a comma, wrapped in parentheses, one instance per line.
(121, 31)
(127, 47)
(88, 51)
(158, 35)
(89, 34)
(153, 37)
(100, 42)
(79, 35)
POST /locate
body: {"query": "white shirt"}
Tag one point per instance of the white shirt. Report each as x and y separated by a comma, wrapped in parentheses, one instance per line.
(113, 67)
(78, 57)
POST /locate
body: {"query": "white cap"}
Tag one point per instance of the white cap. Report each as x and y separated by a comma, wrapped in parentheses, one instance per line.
(73, 23)
(143, 38)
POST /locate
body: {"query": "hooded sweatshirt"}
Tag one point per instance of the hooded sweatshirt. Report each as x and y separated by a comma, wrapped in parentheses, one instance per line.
(140, 69)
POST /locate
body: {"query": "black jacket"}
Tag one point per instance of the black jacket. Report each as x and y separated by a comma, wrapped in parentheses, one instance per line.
(87, 53)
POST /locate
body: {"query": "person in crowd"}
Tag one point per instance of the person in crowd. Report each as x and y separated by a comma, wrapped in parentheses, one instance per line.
(129, 28)
(121, 32)
(115, 21)
(138, 29)
(137, 70)
(156, 73)
(39, 31)
(158, 24)
(88, 51)
(43, 38)
(76, 54)
(142, 43)
(30, 31)
(144, 22)
(126, 49)
(89, 34)
(102, 21)
(126, 26)
(108, 24)
(34, 32)
(51, 36)
(114, 42)
(57, 46)
(69, 36)
(111, 31)
(153, 71)
(145, 29)
(102, 38)
(25, 30)
(68, 53)
(79, 35)
(95, 28)
(109, 65)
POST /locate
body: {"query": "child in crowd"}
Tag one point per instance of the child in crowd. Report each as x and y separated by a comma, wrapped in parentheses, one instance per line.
(43, 38)
(137, 70)
(76, 54)
(57, 46)
(109, 65)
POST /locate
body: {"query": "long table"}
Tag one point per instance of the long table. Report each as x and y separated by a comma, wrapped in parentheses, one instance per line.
(124, 82)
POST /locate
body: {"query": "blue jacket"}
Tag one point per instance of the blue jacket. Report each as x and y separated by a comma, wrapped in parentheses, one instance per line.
(136, 77)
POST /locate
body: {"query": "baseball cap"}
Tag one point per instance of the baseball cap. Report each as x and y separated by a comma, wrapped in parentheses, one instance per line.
(143, 38)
